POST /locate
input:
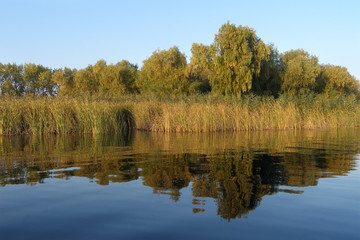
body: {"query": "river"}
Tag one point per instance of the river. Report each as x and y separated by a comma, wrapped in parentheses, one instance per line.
(246, 185)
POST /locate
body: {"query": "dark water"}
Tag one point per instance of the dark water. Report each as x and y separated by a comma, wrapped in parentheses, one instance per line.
(262, 185)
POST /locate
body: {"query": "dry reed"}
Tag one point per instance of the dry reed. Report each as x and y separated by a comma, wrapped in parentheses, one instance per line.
(174, 114)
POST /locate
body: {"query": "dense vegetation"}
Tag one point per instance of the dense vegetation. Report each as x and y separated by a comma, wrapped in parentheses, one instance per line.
(236, 83)
(238, 62)
(202, 113)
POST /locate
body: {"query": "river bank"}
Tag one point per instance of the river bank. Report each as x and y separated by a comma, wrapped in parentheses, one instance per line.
(203, 113)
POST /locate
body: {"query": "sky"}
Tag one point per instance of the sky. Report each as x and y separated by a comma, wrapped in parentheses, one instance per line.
(76, 33)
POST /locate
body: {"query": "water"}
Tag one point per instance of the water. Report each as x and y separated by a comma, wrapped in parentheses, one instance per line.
(257, 185)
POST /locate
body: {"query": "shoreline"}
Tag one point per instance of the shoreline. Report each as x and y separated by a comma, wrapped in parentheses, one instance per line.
(58, 115)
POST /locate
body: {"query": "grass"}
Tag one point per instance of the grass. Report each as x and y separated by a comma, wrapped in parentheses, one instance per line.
(211, 113)
(204, 113)
(62, 116)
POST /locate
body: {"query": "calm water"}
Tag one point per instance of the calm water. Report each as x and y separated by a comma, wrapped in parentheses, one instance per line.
(262, 185)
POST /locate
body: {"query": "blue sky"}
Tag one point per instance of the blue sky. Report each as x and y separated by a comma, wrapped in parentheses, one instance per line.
(76, 33)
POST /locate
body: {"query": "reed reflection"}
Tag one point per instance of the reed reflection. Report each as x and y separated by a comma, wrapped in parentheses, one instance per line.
(236, 170)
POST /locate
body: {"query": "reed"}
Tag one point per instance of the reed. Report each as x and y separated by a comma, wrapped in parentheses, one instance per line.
(203, 113)
(209, 114)
(62, 116)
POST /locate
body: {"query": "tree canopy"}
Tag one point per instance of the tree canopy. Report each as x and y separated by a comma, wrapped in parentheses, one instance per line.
(268, 81)
(164, 73)
(237, 57)
(199, 70)
(299, 72)
(108, 80)
(335, 81)
(237, 62)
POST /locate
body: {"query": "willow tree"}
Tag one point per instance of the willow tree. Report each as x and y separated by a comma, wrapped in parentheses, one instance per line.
(335, 81)
(268, 82)
(299, 72)
(237, 57)
(164, 73)
(199, 70)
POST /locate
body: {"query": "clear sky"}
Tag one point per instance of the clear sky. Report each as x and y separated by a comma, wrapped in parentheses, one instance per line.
(76, 33)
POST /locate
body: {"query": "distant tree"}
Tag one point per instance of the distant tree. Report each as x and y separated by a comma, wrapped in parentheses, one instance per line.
(11, 79)
(31, 75)
(64, 78)
(107, 80)
(237, 58)
(299, 72)
(336, 80)
(119, 79)
(84, 81)
(98, 74)
(46, 84)
(164, 73)
(268, 82)
(38, 79)
(199, 70)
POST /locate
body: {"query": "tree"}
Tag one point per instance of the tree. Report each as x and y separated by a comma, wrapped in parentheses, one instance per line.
(108, 80)
(11, 79)
(119, 79)
(199, 70)
(268, 82)
(237, 57)
(32, 74)
(336, 80)
(85, 81)
(164, 73)
(46, 84)
(64, 79)
(299, 72)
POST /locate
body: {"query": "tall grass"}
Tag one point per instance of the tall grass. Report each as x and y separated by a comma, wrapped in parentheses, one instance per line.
(214, 113)
(206, 113)
(62, 116)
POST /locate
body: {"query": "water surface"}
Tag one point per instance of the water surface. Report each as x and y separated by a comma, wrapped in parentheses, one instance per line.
(256, 185)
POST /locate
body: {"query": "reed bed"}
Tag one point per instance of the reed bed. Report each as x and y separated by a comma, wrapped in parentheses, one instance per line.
(62, 116)
(208, 113)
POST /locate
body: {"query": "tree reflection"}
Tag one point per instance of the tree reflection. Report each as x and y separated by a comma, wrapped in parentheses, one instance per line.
(236, 171)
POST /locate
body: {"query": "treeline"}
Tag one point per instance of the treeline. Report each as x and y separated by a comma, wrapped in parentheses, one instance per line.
(101, 78)
(238, 62)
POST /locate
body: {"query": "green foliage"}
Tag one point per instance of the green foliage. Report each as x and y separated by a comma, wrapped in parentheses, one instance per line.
(237, 62)
(29, 79)
(237, 58)
(336, 81)
(268, 82)
(164, 73)
(11, 79)
(38, 80)
(299, 72)
(118, 79)
(46, 85)
(107, 80)
(85, 82)
(64, 78)
(199, 70)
